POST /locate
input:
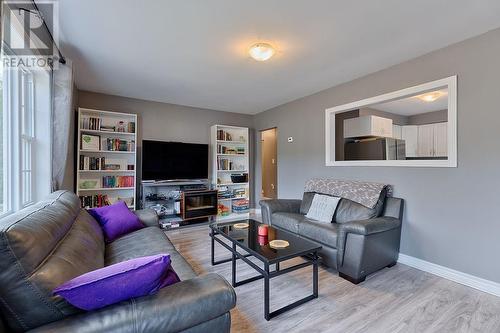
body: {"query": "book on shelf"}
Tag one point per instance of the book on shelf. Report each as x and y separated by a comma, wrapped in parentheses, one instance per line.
(229, 165)
(223, 135)
(93, 201)
(114, 144)
(225, 164)
(221, 149)
(91, 163)
(117, 181)
(91, 123)
(101, 200)
(106, 125)
(108, 128)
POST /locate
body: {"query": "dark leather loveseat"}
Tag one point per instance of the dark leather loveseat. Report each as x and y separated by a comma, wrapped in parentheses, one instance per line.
(358, 242)
(54, 240)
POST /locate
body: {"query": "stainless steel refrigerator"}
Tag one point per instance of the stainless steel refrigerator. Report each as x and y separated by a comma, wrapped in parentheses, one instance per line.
(375, 149)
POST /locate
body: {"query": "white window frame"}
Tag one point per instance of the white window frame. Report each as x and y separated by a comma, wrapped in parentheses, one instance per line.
(18, 104)
(27, 109)
(39, 140)
(8, 142)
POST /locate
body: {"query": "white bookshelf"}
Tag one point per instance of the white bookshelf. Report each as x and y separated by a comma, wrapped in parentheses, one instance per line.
(233, 149)
(120, 159)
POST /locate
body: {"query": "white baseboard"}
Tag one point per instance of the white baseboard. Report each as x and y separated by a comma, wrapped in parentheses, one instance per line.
(472, 281)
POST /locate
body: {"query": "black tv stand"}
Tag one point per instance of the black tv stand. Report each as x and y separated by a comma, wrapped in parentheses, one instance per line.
(180, 203)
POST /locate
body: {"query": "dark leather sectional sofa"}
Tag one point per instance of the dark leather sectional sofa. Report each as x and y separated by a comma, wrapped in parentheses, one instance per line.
(54, 241)
(358, 242)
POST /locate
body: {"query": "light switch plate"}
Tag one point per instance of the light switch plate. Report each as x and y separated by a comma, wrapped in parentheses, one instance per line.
(290, 139)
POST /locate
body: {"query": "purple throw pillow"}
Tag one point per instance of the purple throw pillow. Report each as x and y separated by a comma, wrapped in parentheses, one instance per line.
(116, 220)
(119, 282)
(170, 278)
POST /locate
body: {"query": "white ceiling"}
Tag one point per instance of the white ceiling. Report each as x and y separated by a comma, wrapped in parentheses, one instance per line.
(194, 52)
(413, 105)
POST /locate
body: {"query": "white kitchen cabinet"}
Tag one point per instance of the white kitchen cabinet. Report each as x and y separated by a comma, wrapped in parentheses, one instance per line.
(396, 132)
(425, 140)
(409, 133)
(433, 140)
(441, 139)
(367, 126)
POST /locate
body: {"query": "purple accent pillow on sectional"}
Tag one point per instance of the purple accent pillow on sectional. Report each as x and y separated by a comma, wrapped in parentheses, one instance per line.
(116, 220)
(119, 282)
(170, 278)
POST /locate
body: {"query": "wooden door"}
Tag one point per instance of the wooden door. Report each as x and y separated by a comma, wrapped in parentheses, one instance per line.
(269, 164)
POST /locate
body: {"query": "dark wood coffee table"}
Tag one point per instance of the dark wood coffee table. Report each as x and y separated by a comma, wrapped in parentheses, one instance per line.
(248, 240)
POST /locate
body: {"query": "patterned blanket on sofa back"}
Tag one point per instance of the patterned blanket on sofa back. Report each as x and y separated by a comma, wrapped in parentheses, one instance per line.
(364, 193)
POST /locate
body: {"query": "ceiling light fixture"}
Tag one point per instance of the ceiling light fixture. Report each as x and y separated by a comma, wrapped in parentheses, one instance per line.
(261, 51)
(430, 97)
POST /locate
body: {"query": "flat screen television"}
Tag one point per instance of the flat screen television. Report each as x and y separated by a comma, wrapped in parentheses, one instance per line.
(174, 160)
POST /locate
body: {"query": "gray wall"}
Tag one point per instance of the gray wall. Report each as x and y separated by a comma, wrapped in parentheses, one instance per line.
(165, 122)
(451, 214)
(428, 118)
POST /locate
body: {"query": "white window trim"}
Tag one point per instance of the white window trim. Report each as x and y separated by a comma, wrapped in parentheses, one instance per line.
(15, 125)
(8, 153)
(30, 139)
(14, 138)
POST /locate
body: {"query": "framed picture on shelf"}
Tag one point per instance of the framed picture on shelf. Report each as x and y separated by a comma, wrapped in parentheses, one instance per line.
(90, 142)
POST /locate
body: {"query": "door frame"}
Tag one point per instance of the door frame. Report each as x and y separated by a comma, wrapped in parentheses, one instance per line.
(261, 150)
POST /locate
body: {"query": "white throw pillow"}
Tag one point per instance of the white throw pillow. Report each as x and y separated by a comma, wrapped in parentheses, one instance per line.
(322, 208)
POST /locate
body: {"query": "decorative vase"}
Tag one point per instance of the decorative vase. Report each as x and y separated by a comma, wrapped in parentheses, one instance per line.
(263, 230)
(263, 240)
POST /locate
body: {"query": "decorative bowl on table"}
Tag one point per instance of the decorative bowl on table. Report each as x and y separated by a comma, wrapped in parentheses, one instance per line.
(279, 244)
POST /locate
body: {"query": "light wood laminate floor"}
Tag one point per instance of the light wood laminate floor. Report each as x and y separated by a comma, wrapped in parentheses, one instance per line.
(397, 299)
